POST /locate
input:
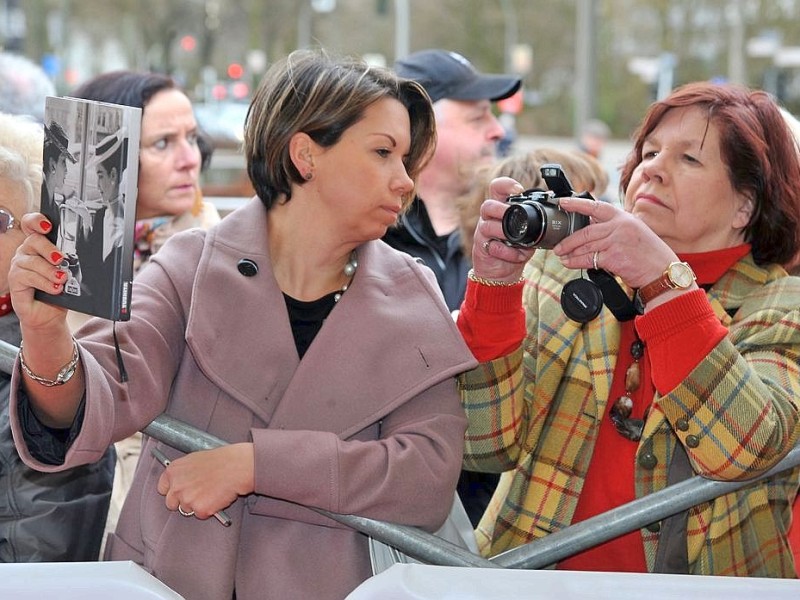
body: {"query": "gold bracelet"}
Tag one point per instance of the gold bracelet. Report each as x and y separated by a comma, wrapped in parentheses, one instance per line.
(63, 376)
(492, 282)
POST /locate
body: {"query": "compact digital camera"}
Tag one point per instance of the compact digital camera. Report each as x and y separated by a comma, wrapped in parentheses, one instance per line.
(534, 218)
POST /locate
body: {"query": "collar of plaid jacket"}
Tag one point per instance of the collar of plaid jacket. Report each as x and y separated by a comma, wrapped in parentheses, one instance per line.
(709, 267)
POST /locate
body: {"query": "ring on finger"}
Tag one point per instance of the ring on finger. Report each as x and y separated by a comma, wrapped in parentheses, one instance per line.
(595, 258)
(185, 513)
(486, 245)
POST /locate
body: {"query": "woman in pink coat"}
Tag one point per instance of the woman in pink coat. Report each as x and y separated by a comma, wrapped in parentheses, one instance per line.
(326, 358)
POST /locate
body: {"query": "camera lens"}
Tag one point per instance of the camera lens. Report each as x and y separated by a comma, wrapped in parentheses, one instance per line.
(523, 223)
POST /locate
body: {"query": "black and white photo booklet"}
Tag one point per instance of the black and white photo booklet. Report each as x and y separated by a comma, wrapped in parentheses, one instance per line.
(90, 167)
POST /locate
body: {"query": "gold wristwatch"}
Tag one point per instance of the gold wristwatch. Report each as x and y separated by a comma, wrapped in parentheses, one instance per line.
(677, 276)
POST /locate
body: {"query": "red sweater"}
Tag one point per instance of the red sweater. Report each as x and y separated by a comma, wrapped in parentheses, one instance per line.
(677, 335)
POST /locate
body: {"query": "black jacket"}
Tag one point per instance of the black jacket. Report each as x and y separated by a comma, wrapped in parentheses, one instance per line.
(414, 235)
(48, 517)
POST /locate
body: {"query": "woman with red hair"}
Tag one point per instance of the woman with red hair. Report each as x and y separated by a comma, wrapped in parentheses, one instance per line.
(583, 417)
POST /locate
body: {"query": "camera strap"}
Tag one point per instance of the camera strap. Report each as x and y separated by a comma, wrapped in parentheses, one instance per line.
(614, 297)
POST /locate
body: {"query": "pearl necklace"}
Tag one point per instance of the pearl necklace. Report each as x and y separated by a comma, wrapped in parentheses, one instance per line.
(349, 271)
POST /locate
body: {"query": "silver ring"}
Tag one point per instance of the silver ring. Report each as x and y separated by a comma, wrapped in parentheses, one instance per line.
(184, 513)
(486, 246)
(594, 259)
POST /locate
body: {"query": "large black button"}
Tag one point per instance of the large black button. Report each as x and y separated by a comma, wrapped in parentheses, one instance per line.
(648, 461)
(247, 267)
(682, 425)
(692, 441)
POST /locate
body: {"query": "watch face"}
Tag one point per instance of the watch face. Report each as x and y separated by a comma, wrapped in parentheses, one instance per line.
(681, 275)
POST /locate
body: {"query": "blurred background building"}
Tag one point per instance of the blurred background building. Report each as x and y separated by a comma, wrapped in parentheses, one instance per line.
(579, 59)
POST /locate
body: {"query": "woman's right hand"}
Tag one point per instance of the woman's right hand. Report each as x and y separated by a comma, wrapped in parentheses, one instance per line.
(491, 257)
(48, 343)
(36, 265)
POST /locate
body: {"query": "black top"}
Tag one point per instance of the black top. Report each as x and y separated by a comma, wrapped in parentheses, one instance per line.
(307, 318)
(67, 509)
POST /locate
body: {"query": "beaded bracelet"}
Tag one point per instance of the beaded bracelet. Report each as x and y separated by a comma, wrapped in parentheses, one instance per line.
(492, 282)
(63, 376)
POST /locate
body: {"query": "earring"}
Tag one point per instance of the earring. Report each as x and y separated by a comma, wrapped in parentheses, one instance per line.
(308, 176)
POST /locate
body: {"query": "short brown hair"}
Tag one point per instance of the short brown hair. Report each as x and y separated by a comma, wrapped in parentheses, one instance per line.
(322, 96)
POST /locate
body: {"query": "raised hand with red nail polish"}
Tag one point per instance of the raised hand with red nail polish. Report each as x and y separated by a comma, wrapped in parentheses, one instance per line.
(56, 507)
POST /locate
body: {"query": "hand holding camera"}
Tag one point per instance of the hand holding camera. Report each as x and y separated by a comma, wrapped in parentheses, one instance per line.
(509, 231)
(492, 257)
(534, 217)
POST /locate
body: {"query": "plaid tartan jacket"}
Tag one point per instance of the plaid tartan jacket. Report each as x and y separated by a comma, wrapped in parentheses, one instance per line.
(535, 415)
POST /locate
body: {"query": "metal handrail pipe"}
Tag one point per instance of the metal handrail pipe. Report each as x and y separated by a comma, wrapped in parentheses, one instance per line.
(534, 555)
(418, 544)
(629, 517)
(414, 542)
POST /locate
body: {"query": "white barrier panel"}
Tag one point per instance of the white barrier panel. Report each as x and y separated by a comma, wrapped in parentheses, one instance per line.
(425, 582)
(121, 580)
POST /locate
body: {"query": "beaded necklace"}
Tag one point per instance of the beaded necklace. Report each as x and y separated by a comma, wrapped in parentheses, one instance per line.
(306, 318)
(620, 412)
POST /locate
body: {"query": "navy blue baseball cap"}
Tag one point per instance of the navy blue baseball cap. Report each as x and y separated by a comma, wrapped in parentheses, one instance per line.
(446, 74)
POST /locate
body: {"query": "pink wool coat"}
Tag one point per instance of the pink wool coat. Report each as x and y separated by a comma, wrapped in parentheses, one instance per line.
(369, 423)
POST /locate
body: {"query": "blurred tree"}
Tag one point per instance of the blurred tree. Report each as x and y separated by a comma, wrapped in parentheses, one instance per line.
(36, 39)
(699, 33)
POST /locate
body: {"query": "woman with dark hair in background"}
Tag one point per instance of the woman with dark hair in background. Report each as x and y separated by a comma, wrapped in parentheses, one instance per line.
(170, 157)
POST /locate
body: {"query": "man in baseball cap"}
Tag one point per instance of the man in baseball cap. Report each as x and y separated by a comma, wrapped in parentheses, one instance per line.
(446, 74)
(467, 137)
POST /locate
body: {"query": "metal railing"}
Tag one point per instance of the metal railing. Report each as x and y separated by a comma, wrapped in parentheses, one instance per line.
(430, 549)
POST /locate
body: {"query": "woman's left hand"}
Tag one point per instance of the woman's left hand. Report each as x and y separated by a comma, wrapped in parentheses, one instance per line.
(615, 241)
(208, 481)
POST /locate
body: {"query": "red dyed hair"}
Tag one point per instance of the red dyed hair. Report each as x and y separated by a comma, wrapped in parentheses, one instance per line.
(760, 153)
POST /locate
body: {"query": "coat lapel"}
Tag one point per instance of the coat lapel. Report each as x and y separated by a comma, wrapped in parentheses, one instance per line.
(364, 351)
(248, 309)
(587, 350)
(382, 355)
